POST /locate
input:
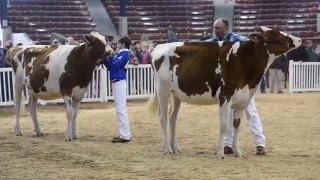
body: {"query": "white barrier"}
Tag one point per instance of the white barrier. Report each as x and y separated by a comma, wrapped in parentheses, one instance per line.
(139, 80)
(304, 76)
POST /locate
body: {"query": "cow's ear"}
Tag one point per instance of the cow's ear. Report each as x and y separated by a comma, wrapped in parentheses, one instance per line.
(255, 37)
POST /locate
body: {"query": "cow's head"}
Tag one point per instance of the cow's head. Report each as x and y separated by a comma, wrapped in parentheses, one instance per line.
(100, 45)
(277, 42)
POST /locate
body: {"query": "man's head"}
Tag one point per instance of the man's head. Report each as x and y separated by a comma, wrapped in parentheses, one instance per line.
(221, 27)
(308, 44)
(7, 45)
(124, 42)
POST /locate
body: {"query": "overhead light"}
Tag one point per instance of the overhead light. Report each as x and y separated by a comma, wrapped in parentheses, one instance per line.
(145, 18)
(41, 30)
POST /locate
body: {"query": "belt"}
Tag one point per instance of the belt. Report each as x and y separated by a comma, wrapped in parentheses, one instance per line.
(115, 80)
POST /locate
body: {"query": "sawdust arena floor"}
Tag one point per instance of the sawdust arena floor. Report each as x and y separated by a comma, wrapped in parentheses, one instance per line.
(291, 123)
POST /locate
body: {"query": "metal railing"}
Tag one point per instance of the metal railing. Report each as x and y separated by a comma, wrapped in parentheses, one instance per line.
(140, 84)
(304, 76)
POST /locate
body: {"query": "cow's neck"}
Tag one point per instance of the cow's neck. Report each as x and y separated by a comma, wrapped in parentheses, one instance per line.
(255, 61)
(81, 64)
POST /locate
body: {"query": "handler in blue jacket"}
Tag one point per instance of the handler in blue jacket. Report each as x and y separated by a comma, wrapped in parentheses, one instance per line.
(118, 75)
(221, 27)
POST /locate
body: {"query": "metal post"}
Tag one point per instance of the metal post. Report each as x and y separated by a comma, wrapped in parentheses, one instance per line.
(103, 85)
(123, 20)
(290, 76)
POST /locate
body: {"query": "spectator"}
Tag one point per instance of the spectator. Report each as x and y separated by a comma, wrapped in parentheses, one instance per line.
(3, 52)
(147, 55)
(8, 45)
(4, 85)
(298, 54)
(276, 74)
(205, 36)
(133, 59)
(317, 51)
(55, 42)
(310, 53)
(172, 35)
(137, 51)
(71, 41)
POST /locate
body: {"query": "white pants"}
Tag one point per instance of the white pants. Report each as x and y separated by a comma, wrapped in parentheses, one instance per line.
(255, 125)
(276, 77)
(119, 90)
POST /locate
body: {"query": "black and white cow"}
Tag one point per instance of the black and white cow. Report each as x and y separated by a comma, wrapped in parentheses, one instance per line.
(221, 73)
(52, 72)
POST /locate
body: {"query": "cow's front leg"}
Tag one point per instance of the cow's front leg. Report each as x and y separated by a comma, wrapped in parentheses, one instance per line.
(236, 127)
(75, 106)
(17, 103)
(224, 112)
(70, 115)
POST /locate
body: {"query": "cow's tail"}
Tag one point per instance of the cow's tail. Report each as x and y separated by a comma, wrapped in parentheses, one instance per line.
(153, 105)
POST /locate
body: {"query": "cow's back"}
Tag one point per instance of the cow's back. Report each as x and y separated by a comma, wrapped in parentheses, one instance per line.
(192, 69)
(41, 67)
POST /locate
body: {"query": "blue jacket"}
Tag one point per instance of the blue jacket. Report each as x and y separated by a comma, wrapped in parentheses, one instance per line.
(117, 65)
(232, 37)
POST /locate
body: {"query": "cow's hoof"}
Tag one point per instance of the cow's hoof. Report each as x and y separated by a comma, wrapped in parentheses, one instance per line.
(75, 136)
(238, 153)
(168, 151)
(220, 156)
(38, 134)
(18, 133)
(176, 151)
(67, 139)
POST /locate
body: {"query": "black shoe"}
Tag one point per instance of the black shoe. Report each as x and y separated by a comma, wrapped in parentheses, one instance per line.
(228, 150)
(261, 151)
(120, 140)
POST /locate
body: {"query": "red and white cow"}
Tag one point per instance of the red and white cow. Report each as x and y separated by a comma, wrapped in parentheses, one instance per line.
(52, 72)
(221, 73)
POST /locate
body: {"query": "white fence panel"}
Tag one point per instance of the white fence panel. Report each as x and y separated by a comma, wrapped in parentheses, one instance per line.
(140, 85)
(304, 76)
(6, 86)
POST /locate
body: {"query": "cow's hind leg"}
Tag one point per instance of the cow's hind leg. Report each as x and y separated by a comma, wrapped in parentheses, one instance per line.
(70, 115)
(224, 112)
(173, 120)
(236, 126)
(163, 96)
(17, 103)
(33, 111)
